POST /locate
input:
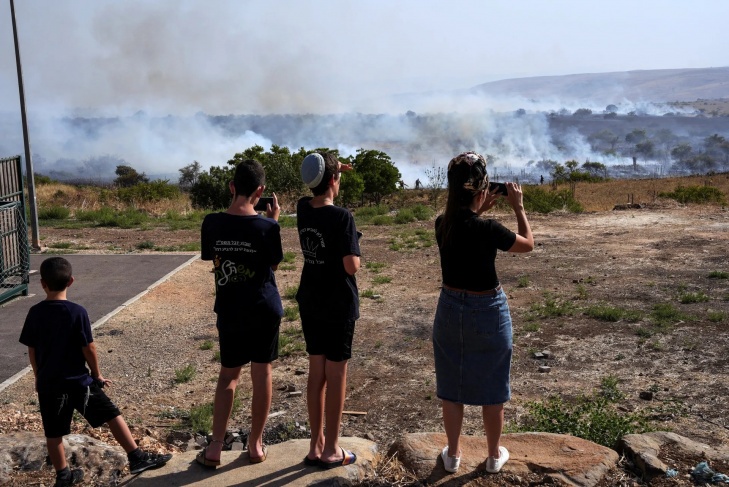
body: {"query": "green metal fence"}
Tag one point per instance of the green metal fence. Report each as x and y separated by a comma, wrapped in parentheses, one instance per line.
(14, 248)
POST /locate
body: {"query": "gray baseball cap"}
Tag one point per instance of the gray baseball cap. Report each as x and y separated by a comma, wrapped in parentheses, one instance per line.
(312, 170)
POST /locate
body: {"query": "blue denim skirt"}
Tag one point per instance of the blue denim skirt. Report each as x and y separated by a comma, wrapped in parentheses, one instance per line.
(472, 344)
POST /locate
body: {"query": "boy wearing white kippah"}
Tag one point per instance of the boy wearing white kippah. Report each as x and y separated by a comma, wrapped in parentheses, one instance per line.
(328, 303)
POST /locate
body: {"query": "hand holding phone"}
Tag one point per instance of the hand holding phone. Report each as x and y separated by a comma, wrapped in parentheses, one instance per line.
(263, 201)
(498, 188)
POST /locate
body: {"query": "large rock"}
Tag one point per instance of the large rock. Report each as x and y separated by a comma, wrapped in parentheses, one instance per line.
(27, 451)
(644, 451)
(567, 459)
(283, 466)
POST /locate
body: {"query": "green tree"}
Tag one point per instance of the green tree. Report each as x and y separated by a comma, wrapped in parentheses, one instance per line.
(595, 169)
(645, 149)
(211, 190)
(350, 187)
(682, 152)
(378, 172)
(127, 176)
(189, 175)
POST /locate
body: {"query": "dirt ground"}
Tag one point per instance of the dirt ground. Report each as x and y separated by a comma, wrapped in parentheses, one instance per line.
(632, 260)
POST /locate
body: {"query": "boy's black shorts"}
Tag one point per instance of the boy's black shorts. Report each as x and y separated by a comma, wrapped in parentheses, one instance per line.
(57, 409)
(331, 338)
(248, 338)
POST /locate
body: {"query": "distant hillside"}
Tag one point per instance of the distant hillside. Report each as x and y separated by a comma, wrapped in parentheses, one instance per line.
(660, 85)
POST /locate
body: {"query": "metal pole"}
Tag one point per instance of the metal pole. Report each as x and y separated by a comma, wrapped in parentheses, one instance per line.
(30, 178)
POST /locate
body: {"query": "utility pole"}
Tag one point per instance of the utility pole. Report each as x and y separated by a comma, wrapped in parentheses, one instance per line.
(30, 177)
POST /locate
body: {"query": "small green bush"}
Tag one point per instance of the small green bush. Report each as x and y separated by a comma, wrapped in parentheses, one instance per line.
(367, 214)
(716, 316)
(291, 313)
(664, 315)
(593, 418)
(55, 212)
(553, 307)
(609, 389)
(291, 341)
(539, 200)
(718, 275)
(695, 194)
(697, 297)
(405, 215)
(367, 293)
(532, 326)
(42, 179)
(286, 221)
(201, 418)
(185, 374)
(375, 267)
(61, 245)
(206, 345)
(605, 313)
(146, 245)
(290, 292)
(422, 212)
(382, 220)
(289, 257)
(381, 280)
(522, 281)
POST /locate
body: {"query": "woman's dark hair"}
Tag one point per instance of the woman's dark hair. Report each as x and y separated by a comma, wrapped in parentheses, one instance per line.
(466, 177)
(331, 169)
(249, 175)
(56, 272)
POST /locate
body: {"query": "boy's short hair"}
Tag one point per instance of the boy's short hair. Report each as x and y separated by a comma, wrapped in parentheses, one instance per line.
(56, 272)
(249, 175)
(331, 169)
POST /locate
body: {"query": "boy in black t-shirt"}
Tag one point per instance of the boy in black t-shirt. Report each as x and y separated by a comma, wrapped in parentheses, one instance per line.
(60, 345)
(328, 303)
(245, 249)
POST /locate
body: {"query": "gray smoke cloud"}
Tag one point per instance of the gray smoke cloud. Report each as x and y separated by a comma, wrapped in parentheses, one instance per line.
(104, 61)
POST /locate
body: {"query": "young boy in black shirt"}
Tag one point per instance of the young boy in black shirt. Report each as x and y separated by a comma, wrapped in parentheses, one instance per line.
(328, 303)
(60, 346)
(245, 249)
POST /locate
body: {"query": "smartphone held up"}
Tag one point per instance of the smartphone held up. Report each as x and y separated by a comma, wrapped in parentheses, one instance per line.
(263, 203)
(498, 188)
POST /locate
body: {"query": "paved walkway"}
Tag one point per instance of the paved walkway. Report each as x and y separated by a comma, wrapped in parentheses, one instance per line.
(103, 285)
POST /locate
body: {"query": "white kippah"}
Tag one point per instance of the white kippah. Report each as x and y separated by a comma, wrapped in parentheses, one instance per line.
(312, 170)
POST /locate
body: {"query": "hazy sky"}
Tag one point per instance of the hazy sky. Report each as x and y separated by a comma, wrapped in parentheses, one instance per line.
(180, 57)
(226, 56)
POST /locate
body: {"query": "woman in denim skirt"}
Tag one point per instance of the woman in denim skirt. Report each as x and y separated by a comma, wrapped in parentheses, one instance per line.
(472, 339)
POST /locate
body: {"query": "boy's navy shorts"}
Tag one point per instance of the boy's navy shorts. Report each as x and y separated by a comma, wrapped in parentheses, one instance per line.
(57, 409)
(248, 338)
(331, 338)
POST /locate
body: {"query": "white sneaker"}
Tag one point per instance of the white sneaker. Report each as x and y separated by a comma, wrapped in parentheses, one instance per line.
(451, 464)
(493, 465)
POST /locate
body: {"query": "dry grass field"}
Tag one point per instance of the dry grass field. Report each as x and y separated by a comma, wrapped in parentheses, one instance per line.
(604, 196)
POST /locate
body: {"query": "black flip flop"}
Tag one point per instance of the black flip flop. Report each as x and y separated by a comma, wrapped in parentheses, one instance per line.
(348, 458)
(309, 462)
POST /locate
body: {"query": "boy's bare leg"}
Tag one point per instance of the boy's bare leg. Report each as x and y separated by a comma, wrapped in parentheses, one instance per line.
(222, 406)
(336, 377)
(260, 406)
(121, 433)
(493, 424)
(57, 453)
(453, 422)
(315, 389)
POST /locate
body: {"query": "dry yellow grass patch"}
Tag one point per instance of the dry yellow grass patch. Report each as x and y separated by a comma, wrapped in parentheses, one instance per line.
(604, 196)
(93, 198)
